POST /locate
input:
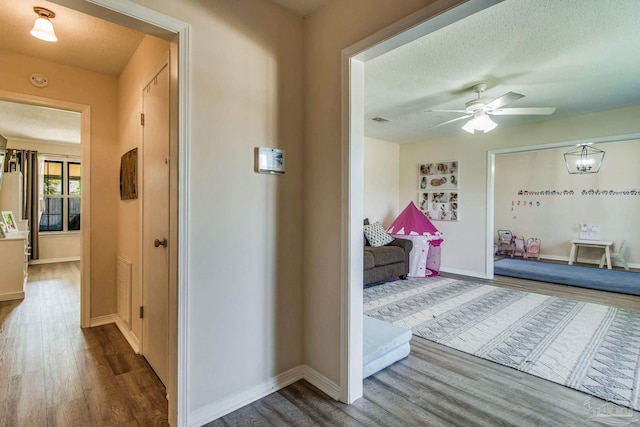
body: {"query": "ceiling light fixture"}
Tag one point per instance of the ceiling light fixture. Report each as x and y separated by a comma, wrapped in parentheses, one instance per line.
(480, 122)
(43, 28)
(583, 159)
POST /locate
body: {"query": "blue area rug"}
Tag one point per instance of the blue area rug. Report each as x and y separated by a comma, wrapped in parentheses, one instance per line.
(624, 282)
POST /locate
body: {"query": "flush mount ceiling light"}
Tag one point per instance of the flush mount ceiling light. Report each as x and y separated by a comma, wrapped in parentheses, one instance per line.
(584, 159)
(43, 28)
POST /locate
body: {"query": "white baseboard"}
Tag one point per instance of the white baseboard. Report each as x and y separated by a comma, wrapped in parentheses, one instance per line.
(215, 410)
(133, 341)
(102, 320)
(322, 382)
(53, 260)
(470, 273)
(11, 296)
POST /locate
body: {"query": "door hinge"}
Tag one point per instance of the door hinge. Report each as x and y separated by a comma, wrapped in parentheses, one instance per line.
(142, 119)
(142, 312)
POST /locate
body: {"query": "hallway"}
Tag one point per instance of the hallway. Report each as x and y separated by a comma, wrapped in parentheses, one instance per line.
(54, 373)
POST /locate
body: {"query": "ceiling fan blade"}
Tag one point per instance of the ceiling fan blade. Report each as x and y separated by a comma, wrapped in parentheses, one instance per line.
(540, 111)
(445, 111)
(505, 99)
(450, 121)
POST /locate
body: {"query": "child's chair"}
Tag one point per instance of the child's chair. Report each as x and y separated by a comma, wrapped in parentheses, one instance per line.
(519, 246)
(619, 254)
(505, 242)
(533, 247)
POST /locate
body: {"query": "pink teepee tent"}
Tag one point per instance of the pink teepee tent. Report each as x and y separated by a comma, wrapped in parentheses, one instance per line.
(424, 259)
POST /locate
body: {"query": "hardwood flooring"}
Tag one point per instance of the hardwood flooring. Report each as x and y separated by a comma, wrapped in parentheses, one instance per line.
(53, 373)
(439, 386)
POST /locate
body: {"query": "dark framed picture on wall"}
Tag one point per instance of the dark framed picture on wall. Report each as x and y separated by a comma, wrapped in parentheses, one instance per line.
(129, 175)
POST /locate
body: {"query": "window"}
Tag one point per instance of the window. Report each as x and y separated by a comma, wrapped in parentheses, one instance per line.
(62, 190)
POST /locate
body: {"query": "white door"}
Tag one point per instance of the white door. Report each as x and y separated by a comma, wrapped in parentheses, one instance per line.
(155, 205)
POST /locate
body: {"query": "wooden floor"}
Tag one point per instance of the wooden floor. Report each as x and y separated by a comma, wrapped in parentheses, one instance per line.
(53, 373)
(439, 386)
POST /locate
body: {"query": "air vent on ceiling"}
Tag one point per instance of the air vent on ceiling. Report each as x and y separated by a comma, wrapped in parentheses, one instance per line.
(380, 119)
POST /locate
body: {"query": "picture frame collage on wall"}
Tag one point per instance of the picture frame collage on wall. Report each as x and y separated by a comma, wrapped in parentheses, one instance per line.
(435, 182)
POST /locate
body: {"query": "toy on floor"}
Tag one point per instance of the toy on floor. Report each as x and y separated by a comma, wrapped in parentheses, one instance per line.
(533, 247)
(505, 242)
(519, 246)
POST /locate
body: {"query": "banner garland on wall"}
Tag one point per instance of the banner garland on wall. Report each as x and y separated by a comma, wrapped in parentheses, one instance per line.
(590, 192)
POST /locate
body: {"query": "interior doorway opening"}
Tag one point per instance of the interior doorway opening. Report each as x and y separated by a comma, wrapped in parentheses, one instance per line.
(430, 19)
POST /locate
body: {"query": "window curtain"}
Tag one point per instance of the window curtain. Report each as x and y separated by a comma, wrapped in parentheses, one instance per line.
(31, 195)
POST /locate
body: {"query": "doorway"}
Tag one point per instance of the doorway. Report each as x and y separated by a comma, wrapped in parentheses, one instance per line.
(428, 20)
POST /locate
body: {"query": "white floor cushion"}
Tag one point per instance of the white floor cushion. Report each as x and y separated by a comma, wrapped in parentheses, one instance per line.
(383, 344)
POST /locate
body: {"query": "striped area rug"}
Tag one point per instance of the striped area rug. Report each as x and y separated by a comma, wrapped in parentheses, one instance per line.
(589, 347)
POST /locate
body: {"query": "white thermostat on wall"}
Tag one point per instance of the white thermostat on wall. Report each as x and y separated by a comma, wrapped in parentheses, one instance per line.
(270, 160)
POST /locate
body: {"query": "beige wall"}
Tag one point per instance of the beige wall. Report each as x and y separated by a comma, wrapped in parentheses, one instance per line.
(381, 180)
(554, 218)
(334, 27)
(245, 241)
(464, 239)
(140, 67)
(99, 91)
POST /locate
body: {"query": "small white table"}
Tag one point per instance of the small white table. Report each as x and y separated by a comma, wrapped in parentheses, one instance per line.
(602, 244)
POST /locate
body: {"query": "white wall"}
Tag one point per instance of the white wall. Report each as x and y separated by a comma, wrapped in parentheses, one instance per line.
(554, 218)
(338, 25)
(245, 244)
(464, 243)
(381, 180)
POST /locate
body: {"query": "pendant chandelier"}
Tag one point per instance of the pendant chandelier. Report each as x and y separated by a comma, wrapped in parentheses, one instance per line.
(583, 159)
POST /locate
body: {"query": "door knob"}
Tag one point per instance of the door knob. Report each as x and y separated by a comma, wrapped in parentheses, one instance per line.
(162, 242)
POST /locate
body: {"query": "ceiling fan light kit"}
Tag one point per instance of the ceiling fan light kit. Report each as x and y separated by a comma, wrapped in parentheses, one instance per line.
(480, 122)
(479, 110)
(43, 28)
(584, 159)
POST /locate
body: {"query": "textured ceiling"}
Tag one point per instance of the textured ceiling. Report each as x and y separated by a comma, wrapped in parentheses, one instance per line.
(21, 121)
(580, 56)
(83, 41)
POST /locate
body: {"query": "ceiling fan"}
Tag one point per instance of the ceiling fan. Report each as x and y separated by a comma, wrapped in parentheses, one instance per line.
(480, 109)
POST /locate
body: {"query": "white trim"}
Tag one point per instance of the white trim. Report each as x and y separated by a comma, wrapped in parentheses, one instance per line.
(125, 10)
(128, 334)
(229, 404)
(12, 295)
(470, 273)
(102, 320)
(491, 162)
(320, 381)
(427, 20)
(53, 260)
(85, 159)
(85, 215)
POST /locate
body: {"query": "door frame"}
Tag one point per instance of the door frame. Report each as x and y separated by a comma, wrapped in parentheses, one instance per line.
(427, 20)
(143, 19)
(85, 199)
